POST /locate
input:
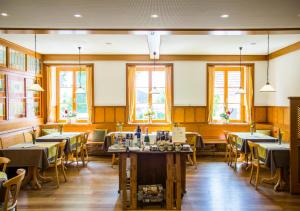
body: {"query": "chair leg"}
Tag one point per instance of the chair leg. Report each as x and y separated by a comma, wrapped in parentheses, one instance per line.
(195, 158)
(190, 159)
(86, 155)
(251, 174)
(113, 159)
(257, 178)
(82, 157)
(63, 171)
(57, 179)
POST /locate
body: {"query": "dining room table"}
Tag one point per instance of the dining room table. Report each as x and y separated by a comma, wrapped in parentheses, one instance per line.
(277, 158)
(71, 138)
(35, 157)
(152, 136)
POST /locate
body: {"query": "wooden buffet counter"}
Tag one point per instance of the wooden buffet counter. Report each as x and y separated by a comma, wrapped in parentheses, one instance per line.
(152, 167)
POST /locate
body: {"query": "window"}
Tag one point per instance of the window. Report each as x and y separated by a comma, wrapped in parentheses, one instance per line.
(224, 81)
(72, 94)
(150, 90)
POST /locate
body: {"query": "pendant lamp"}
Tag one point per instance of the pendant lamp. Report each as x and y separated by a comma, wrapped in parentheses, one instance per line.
(241, 90)
(80, 89)
(267, 87)
(154, 89)
(36, 87)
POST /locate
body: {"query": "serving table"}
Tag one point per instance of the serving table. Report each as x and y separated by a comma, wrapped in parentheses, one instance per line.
(167, 168)
(277, 158)
(34, 156)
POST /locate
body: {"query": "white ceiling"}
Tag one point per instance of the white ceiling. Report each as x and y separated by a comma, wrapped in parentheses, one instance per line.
(135, 14)
(137, 44)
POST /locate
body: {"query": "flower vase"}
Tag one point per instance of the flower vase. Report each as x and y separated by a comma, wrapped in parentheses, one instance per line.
(150, 120)
(227, 121)
(69, 121)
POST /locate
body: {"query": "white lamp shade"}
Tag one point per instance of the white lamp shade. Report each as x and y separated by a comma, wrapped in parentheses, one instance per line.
(267, 88)
(36, 88)
(80, 90)
(240, 91)
(154, 91)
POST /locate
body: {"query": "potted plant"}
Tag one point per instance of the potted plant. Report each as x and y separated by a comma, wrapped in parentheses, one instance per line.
(226, 115)
(149, 114)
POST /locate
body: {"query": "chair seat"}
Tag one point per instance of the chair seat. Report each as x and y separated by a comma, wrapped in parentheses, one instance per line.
(53, 163)
(95, 142)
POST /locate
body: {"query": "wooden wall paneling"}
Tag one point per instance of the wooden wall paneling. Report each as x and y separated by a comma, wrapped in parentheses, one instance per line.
(200, 114)
(280, 115)
(260, 114)
(109, 114)
(189, 114)
(99, 114)
(178, 115)
(120, 113)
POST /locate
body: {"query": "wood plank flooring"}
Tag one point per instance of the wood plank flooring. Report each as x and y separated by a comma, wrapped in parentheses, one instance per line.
(212, 186)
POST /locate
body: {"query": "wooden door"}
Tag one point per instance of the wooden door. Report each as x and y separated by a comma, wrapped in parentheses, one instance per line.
(295, 144)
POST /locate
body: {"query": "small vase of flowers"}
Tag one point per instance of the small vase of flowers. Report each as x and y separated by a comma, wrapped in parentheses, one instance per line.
(226, 115)
(70, 116)
(149, 114)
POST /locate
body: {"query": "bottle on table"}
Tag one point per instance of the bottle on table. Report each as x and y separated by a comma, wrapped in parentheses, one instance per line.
(147, 139)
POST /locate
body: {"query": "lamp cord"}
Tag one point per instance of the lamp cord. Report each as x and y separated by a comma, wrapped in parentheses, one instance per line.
(35, 60)
(79, 64)
(268, 58)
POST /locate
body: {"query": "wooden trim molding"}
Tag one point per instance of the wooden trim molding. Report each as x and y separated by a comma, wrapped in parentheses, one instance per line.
(285, 50)
(144, 57)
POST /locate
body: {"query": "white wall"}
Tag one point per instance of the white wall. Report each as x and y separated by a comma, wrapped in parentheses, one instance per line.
(189, 83)
(284, 77)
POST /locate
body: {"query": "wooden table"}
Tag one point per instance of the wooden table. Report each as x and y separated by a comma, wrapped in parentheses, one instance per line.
(146, 168)
(277, 158)
(34, 157)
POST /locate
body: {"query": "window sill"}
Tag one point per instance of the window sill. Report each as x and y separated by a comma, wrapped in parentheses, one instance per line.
(149, 124)
(231, 123)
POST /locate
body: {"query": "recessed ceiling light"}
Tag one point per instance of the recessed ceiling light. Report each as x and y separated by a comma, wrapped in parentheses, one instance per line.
(253, 43)
(108, 43)
(154, 16)
(77, 15)
(224, 16)
(4, 14)
(298, 15)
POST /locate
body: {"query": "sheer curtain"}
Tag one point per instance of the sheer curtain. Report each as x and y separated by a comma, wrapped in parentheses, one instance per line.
(249, 73)
(51, 93)
(169, 94)
(89, 92)
(211, 80)
(131, 98)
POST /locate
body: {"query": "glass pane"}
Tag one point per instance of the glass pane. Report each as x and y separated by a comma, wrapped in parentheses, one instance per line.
(66, 79)
(66, 95)
(2, 55)
(160, 97)
(219, 95)
(141, 109)
(2, 109)
(2, 86)
(219, 79)
(81, 79)
(142, 95)
(233, 97)
(142, 79)
(159, 111)
(234, 79)
(236, 111)
(218, 109)
(82, 112)
(158, 79)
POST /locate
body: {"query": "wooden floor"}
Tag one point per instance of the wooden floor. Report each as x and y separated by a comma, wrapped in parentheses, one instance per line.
(212, 186)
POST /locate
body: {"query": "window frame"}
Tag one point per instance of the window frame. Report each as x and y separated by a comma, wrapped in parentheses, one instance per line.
(227, 68)
(149, 68)
(74, 70)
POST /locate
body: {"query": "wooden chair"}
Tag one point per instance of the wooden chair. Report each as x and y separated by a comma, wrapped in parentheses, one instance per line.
(28, 137)
(228, 148)
(59, 161)
(234, 151)
(83, 148)
(191, 139)
(255, 162)
(114, 158)
(12, 189)
(4, 161)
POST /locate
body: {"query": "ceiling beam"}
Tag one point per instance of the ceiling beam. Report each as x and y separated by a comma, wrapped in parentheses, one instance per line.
(285, 50)
(216, 31)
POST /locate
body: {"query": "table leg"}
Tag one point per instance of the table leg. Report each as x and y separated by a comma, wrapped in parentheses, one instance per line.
(242, 157)
(42, 178)
(34, 181)
(280, 185)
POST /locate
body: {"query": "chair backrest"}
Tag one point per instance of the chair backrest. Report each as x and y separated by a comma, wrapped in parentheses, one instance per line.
(226, 134)
(253, 150)
(60, 150)
(4, 161)
(99, 134)
(28, 137)
(191, 140)
(232, 139)
(12, 189)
